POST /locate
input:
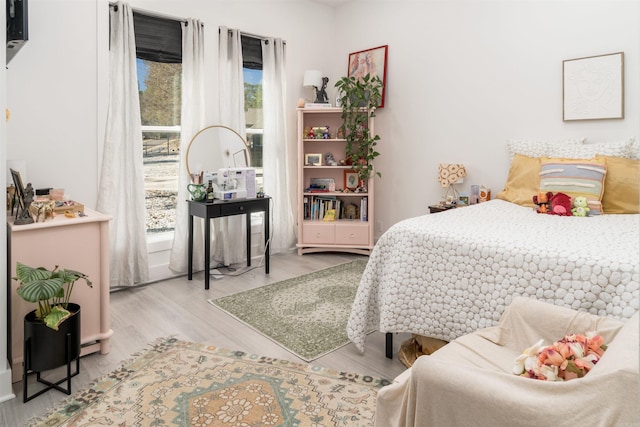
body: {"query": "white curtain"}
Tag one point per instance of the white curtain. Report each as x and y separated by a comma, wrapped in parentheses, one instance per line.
(192, 120)
(230, 232)
(278, 167)
(121, 189)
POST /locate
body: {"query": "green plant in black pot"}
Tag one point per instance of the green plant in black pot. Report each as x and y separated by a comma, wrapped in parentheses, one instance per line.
(50, 289)
(359, 99)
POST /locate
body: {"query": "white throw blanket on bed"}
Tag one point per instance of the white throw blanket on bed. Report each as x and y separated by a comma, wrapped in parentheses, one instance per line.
(451, 273)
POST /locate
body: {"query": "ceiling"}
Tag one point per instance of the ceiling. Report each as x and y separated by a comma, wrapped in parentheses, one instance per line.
(332, 3)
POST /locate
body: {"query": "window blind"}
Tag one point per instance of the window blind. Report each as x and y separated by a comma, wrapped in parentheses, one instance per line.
(251, 52)
(158, 39)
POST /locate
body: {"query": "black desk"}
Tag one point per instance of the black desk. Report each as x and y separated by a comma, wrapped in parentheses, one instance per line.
(222, 208)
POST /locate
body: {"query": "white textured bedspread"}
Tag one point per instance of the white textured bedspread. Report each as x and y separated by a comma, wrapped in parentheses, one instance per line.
(448, 274)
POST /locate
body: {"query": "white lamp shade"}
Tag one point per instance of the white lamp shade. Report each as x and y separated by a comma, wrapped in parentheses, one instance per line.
(312, 78)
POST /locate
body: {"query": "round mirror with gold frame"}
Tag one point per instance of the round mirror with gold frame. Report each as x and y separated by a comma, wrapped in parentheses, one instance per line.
(215, 147)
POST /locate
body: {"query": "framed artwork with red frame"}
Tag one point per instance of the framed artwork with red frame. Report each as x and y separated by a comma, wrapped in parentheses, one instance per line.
(370, 61)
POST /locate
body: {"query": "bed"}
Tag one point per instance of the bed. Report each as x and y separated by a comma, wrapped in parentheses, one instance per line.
(449, 274)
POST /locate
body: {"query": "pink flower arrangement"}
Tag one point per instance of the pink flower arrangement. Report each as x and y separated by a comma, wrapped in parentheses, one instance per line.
(571, 357)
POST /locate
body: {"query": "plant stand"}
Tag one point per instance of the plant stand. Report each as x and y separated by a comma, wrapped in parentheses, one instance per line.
(46, 349)
(50, 385)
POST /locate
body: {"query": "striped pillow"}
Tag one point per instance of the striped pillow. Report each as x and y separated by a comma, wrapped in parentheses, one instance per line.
(575, 178)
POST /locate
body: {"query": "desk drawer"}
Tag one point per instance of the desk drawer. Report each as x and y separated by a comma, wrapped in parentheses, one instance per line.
(318, 233)
(352, 233)
(234, 209)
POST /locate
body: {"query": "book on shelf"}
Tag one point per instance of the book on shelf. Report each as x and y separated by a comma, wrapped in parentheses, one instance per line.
(364, 202)
(317, 207)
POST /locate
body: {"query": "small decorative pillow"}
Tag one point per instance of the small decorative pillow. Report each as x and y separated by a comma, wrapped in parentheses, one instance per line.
(574, 177)
(595, 208)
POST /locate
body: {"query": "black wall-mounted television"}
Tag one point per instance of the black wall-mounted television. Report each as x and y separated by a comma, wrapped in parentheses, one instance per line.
(17, 26)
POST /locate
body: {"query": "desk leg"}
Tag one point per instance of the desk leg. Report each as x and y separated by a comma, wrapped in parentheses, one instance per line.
(248, 216)
(190, 251)
(267, 240)
(207, 251)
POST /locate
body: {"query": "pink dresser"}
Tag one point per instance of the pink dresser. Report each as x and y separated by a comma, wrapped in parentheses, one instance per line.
(80, 244)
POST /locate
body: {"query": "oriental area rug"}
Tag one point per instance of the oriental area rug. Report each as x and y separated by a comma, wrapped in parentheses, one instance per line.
(179, 383)
(306, 315)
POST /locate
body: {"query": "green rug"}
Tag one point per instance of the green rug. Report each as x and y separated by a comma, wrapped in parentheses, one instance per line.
(307, 315)
(186, 384)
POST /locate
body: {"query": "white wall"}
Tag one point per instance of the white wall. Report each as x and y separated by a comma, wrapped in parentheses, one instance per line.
(463, 76)
(52, 96)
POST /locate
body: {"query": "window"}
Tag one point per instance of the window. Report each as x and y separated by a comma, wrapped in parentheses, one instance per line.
(253, 113)
(159, 89)
(252, 76)
(159, 63)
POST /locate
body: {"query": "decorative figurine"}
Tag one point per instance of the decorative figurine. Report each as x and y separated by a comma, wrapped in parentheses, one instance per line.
(321, 94)
(24, 217)
(351, 211)
(329, 159)
(40, 211)
(325, 133)
(11, 195)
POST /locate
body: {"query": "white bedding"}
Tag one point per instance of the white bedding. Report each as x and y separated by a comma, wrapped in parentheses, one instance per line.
(448, 274)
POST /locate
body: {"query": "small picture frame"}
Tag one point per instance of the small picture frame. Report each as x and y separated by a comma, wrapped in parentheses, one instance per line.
(313, 159)
(17, 182)
(351, 180)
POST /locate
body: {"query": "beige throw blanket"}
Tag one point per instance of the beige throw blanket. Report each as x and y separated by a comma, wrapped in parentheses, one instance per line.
(469, 382)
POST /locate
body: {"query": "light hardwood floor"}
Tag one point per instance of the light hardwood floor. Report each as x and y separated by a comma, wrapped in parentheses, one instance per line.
(178, 307)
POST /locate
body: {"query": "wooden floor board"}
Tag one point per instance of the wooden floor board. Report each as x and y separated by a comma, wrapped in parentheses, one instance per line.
(179, 307)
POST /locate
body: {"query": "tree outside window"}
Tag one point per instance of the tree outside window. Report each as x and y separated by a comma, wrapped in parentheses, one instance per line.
(160, 107)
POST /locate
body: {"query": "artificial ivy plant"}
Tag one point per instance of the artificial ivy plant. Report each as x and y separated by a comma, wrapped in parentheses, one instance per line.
(359, 99)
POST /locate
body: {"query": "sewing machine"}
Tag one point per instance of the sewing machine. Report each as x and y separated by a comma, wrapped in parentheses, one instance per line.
(235, 183)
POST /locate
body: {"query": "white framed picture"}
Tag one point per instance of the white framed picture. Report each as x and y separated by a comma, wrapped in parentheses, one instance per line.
(593, 87)
(313, 159)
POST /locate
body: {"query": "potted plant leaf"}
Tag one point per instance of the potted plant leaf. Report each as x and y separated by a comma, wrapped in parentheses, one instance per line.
(50, 289)
(359, 99)
(52, 330)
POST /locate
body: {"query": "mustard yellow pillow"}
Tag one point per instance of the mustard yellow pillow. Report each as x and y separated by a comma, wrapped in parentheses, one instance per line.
(523, 181)
(621, 188)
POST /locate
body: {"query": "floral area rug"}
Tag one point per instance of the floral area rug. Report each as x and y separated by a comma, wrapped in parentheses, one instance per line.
(179, 383)
(307, 315)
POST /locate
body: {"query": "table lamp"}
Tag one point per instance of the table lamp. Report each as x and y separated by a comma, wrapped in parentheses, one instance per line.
(450, 174)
